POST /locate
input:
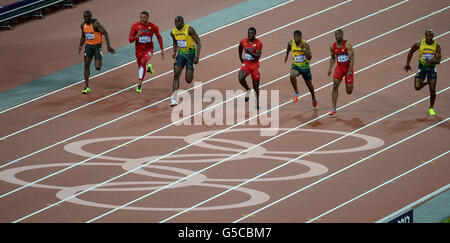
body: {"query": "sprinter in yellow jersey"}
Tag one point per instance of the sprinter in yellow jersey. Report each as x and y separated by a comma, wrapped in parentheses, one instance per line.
(429, 57)
(186, 52)
(92, 33)
(301, 56)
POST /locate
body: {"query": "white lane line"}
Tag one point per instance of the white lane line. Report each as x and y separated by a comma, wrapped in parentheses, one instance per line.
(130, 62)
(217, 163)
(335, 173)
(116, 119)
(393, 179)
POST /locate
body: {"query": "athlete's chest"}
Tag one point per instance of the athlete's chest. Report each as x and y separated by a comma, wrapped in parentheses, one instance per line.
(145, 29)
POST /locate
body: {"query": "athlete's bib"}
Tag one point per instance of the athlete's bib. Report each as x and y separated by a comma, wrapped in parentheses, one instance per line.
(181, 43)
(299, 58)
(248, 57)
(89, 36)
(144, 39)
(343, 58)
(427, 56)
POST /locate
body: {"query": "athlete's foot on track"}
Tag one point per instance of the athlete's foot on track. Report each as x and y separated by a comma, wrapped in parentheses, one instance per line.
(173, 103)
(332, 112)
(86, 90)
(314, 103)
(295, 99)
(139, 89)
(431, 112)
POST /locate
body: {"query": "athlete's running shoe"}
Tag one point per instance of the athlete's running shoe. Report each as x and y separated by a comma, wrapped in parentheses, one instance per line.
(431, 111)
(314, 103)
(86, 90)
(150, 69)
(332, 112)
(173, 103)
(295, 97)
(139, 89)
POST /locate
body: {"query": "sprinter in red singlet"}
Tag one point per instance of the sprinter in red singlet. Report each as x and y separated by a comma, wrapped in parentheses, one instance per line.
(341, 50)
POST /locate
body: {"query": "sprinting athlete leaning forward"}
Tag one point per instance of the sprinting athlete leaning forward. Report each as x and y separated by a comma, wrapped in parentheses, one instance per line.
(301, 55)
(92, 33)
(186, 52)
(341, 50)
(429, 57)
(142, 34)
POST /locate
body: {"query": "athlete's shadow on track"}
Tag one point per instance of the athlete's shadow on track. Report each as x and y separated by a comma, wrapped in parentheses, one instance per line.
(353, 122)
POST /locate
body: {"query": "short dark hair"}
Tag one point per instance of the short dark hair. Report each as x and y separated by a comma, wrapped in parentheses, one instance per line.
(179, 18)
(339, 30)
(252, 28)
(146, 13)
(298, 32)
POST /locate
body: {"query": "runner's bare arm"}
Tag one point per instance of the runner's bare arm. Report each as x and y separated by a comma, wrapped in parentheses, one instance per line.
(174, 46)
(197, 41)
(414, 48)
(82, 40)
(240, 50)
(102, 30)
(288, 50)
(308, 53)
(332, 61)
(351, 55)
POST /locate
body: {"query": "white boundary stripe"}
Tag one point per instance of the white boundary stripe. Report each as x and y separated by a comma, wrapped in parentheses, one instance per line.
(211, 107)
(128, 63)
(393, 179)
(416, 203)
(107, 123)
(339, 171)
(168, 72)
(173, 151)
(217, 163)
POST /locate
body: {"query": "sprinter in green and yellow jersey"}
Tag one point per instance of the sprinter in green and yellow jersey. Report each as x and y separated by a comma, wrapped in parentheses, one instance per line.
(301, 56)
(186, 52)
(429, 57)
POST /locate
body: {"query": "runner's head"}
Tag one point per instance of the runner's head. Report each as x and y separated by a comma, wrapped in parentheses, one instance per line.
(87, 16)
(144, 17)
(179, 22)
(429, 35)
(339, 35)
(251, 33)
(297, 36)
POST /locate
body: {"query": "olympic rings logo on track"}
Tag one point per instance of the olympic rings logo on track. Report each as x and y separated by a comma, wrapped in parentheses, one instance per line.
(176, 173)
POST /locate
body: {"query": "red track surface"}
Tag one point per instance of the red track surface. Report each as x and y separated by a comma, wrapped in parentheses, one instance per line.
(301, 207)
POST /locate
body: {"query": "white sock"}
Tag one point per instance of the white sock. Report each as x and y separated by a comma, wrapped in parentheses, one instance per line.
(141, 73)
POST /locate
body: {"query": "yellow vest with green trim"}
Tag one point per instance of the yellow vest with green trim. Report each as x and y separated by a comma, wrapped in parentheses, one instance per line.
(427, 52)
(298, 55)
(185, 42)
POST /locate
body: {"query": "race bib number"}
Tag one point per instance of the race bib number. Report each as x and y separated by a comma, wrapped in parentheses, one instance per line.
(181, 43)
(248, 57)
(300, 58)
(343, 58)
(427, 56)
(89, 36)
(144, 39)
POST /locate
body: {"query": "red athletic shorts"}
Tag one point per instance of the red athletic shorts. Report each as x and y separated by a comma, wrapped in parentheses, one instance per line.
(251, 68)
(342, 71)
